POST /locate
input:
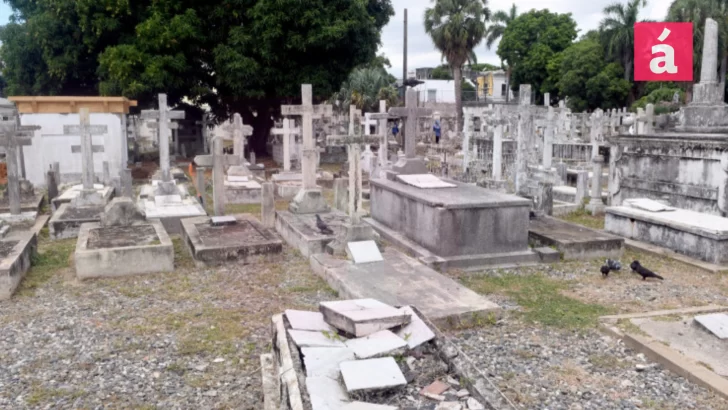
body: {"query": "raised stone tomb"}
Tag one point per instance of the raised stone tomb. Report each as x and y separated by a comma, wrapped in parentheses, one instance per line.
(245, 240)
(574, 241)
(66, 222)
(73, 192)
(300, 231)
(16, 251)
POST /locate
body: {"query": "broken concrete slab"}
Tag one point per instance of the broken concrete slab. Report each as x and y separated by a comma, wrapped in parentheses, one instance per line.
(303, 338)
(379, 344)
(362, 317)
(416, 332)
(449, 405)
(326, 393)
(437, 388)
(363, 252)
(716, 323)
(474, 404)
(325, 361)
(311, 321)
(372, 374)
(574, 241)
(359, 405)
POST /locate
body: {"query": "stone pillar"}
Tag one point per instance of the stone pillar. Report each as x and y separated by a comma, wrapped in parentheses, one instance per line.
(52, 185)
(547, 99)
(545, 198)
(498, 149)
(596, 205)
(218, 177)
(467, 133)
(341, 194)
(21, 162)
(106, 175)
(355, 184)
(641, 121)
(163, 132)
(252, 157)
(582, 186)
(126, 183)
(650, 119)
(548, 140)
(709, 67)
(563, 171)
(200, 182)
(615, 176)
(268, 205)
(525, 129)
(13, 176)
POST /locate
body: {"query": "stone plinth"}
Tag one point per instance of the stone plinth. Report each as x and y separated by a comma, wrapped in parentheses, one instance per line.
(690, 233)
(28, 203)
(574, 241)
(172, 212)
(72, 193)
(242, 190)
(287, 184)
(465, 226)
(67, 220)
(16, 251)
(245, 241)
(103, 252)
(300, 231)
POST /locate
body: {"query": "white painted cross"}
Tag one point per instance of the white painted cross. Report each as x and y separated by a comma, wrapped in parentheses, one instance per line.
(287, 132)
(86, 131)
(383, 116)
(411, 113)
(164, 115)
(12, 136)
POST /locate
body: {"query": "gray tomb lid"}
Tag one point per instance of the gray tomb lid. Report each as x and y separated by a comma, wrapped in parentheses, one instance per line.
(716, 324)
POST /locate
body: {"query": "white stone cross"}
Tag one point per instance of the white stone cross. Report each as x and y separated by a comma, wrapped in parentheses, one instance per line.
(548, 139)
(86, 131)
(498, 122)
(411, 113)
(287, 132)
(13, 136)
(164, 115)
(597, 130)
(236, 131)
(383, 116)
(309, 199)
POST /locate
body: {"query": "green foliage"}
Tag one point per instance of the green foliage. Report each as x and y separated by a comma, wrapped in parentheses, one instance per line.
(498, 24)
(483, 67)
(662, 98)
(470, 93)
(364, 88)
(531, 41)
(617, 32)
(442, 72)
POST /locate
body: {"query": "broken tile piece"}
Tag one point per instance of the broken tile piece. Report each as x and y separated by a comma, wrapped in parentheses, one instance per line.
(325, 393)
(312, 321)
(362, 317)
(416, 332)
(437, 388)
(474, 404)
(303, 338)
(359, 405)
(382, 343)
(372, 374)
(325, 361)
(462, 393)
(716, 323)
(435, 397)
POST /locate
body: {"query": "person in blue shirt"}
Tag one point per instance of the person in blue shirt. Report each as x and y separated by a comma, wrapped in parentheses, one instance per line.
(436, 128)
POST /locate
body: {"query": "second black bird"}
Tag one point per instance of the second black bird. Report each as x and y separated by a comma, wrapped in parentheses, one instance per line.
(605, 271)
(644, 272)
(321, 225)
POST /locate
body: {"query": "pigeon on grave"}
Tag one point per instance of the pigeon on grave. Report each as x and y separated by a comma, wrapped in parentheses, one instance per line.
(605, 271)
(614, 265)
(644, 272)
(321, 225)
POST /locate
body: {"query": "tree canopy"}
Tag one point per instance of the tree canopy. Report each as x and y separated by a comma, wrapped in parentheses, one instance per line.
(245, 56)
(531, 40)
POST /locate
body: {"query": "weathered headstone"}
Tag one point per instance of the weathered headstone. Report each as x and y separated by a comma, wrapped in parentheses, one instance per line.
(545, 198)
(268, 205)
(126, 183)
(582, 186)
(383, 130)
(410, 164)
(525, 129)
(596, 205)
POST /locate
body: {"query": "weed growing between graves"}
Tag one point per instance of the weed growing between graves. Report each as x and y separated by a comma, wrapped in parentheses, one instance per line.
(52, 258)
(541, 300)
(182, 258)
(584, 218)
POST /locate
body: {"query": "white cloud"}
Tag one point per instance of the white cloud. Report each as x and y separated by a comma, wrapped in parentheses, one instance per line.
(422, 52)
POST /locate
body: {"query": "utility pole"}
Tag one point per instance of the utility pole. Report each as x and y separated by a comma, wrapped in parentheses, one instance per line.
(404, 69)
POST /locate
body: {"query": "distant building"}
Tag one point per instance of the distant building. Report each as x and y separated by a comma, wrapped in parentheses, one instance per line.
(492, 85)
(424, 73)
(438, 91)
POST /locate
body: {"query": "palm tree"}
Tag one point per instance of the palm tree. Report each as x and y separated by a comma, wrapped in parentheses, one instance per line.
(499, 23)
(456, 28)
(364, 88)
(617, 32)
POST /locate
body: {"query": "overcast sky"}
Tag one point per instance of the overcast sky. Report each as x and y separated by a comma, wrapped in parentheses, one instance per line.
(422, 52)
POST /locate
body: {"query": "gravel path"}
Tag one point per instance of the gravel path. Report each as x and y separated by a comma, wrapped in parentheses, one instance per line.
(190, 339)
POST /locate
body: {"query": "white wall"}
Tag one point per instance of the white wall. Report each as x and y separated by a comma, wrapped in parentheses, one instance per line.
(50, 145)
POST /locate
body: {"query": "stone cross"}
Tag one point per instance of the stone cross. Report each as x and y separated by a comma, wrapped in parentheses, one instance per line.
(650, 119)
(525, 129)
(86, 131)
(597, 130)
(309, 199)
(13, 136)
(548, 140)
(164, 115)
(498, 144)
(218, 161)
(596, 205)
(640, 121)
(289, 130)
(370, 122)
(382, 117)
(354, 143)
(411, 165)
(236, 130)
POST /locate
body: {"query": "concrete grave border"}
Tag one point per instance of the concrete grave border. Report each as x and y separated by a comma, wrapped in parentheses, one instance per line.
(71, 228)
(656, 351)
(631, 244)
(14, 267)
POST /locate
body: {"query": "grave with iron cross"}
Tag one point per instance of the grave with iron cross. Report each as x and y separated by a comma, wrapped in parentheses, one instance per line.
(164, 117)
(409, 164)
(287, 132)
(355, 230)
(309, 199)
(12, 136)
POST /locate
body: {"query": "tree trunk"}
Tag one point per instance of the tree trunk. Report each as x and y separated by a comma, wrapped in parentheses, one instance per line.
(262, 123)
(458, 75)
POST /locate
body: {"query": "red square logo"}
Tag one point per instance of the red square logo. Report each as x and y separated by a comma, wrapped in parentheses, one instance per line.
(663, 52)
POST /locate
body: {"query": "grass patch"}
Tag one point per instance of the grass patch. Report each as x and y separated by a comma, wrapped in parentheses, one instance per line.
(39, 395)
(584, 218)
(233, 209)
(626, 326)
(52, 257)
(707, 366)
(182, 258)
(541, 300)
(607, 362)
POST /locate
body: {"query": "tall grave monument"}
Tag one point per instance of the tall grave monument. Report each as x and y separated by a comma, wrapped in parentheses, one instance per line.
(410, 164)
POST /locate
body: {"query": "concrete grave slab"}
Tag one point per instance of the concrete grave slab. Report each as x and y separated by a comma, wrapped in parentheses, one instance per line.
(574, 241)
(73, 192)
(237, 178)
(16, 251)
(242, 190)
(362, 317)
(372, 374)
(304, 338)
(649, 205)
(222, 220)
(245, 241)
(426, 181)
(66, 222)
(416, 332)
(165, 200)
(364, 252)
(172, 214)
(326, 393)
(379, 344)
(28, 203)
(716, 323)
(401, 281)
(325, 361)
(359, 405)
(300, 231)
(103, 252)
(313, 321)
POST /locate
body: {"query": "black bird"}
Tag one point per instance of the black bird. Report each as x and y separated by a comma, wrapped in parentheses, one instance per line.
(644, 272)
(531, 215)
(614, 265)
(322, 226)
(605, 271)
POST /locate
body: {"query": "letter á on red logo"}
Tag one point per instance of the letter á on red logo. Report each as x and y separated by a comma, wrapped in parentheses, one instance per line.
(663, 52)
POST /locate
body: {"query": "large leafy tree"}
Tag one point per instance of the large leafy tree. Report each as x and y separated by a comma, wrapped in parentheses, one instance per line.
(499, 22)
(456, 28)
(246, 56)
(617, 32)
(531, 41)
